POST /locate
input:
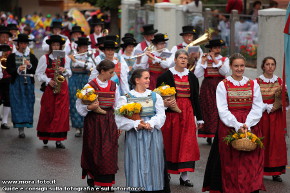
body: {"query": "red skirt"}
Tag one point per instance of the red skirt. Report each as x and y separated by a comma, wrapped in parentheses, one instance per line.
(208, 106)
(53, 123)
(273, 131)
(180, 140)
(100, 148)
(242, 172)
(153, 79)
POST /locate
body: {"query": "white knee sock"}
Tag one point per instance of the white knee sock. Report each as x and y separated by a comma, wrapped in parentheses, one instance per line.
(6, 111)
(184, 176)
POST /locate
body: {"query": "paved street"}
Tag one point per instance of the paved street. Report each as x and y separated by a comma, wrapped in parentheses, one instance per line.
(39, 167)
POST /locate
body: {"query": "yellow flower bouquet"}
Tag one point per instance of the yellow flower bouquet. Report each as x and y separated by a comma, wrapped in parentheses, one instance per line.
(130, 110)
(167, 93)
(88, 95)
(244, 141)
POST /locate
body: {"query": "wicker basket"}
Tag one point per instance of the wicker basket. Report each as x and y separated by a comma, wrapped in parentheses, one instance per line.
(172, 97)
(244, 144)
(135, 116)
(278, 99)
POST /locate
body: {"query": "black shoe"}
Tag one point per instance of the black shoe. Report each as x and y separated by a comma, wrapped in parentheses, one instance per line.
(185, 183)
(59, 145)
(78, 135)
(277, 178)
(90, 182)
(22, 135)
(45, 142)
(209, 140)
(4, 126)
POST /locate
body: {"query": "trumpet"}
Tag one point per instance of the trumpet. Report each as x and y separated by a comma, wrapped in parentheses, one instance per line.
(89, 52)
(3, 60)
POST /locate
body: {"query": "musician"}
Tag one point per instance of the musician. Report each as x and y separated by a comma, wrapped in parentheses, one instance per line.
(98, 27)
(22, 96)
(213, 67)
(13, 30)
(148, 34)
(5, 81)
(121, 68)
(188, 35)
(75, 33)
(153, 61)
(80, 66)
(56, 28)
(53, 121)
(127, 35)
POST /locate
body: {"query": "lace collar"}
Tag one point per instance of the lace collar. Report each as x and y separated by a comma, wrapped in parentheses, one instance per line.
(238, 83)
(26, 52)
(267, 80)
(180, 74)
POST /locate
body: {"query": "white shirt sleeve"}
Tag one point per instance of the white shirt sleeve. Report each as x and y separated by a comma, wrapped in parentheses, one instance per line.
(124, 76)
(222, 104)
(1, 74)
(45, 46)
(40, 70)
(143, 63)
(199, 69)
(67, 72)
(225, 67)
(67, 48)
(157, 121)
(257, 108)
(94, 72)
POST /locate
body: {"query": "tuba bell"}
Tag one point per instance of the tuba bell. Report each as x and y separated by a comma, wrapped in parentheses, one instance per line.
(3, 61)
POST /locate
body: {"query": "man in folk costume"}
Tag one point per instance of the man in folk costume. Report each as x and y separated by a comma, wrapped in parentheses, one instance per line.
(75, 34)
(98, 28)
(148, 34)
(5, 81)
(121, 68)
(56, 28)
(22, 97)
(53, 121)
(13, 30)
(213, 67)
(188, 35)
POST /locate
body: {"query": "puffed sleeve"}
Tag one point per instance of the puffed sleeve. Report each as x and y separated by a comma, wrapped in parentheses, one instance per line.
(124, 76)
(94, 72)
(157, 121)
(225, 68)
(45, 46)
(67, 72)
(257, 108)
(199, 69)
(225, 115)
(143, 63)
(40, 70)
(122, 122)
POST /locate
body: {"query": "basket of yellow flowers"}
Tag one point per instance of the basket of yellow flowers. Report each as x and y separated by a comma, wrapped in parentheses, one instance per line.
(130, 110)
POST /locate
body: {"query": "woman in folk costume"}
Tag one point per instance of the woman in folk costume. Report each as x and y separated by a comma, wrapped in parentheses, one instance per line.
(80, 67)
(240, 108)
(213, 67)
(179, 130)
(75, 34)
(100, 137)
(153, 61)
(272, 123)
(22, 97)
(121, 67)
(144, 159)
(53, 123)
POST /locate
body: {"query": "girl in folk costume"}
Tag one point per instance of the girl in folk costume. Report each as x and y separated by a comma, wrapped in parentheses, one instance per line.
(75, 34)
(121, 68)
(272, 123)
(100, 138)
(179, 130)
(213, 67)
(20, 64)
(127, 35)
(98, 28)
(240, 108)
(80, 67)
(153, 61)
(53, 121)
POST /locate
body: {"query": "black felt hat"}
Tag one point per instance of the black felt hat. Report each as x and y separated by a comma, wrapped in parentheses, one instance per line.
(5, 30)
(215, 43)
(188, 30)
(100, 40)
(109, 44)
(83, 41)
(12, 26)
(23, 38)
(160, 38)
(76, 29)
(128, 41)
(4, 48)
(127, 35)
(97, 22)
(56, 24)
(114, 38)
(55, 38)
(149, 29)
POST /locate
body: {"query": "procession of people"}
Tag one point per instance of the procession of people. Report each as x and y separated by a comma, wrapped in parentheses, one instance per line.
(107, 89)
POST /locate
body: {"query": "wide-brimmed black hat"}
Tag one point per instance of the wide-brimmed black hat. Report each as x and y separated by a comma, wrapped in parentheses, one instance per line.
(127, 35)
(100, 40)
(109, 44)
(160, 38)
(4, 30)
(188, 30)
(83, 41)
(215, 43)
(4, 48)
(56, 24)
(23, 38)
(114, 38)
(149, 29)
(55, 38)
(12, 26)
(76, 29)
(97, 22)
(128, 41)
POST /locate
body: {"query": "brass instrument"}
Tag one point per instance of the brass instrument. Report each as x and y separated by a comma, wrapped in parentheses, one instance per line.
(199, 41)
(3, 61)
(105, 32)
(151, 48)
(58, 78)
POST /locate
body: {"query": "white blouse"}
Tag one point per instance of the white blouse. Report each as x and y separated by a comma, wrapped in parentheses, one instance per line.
(222, 104)
(224, 66)
(167, 63)
(156, 122)
(124, 72)
(83, 110)
(25, 54)
(42, 65)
